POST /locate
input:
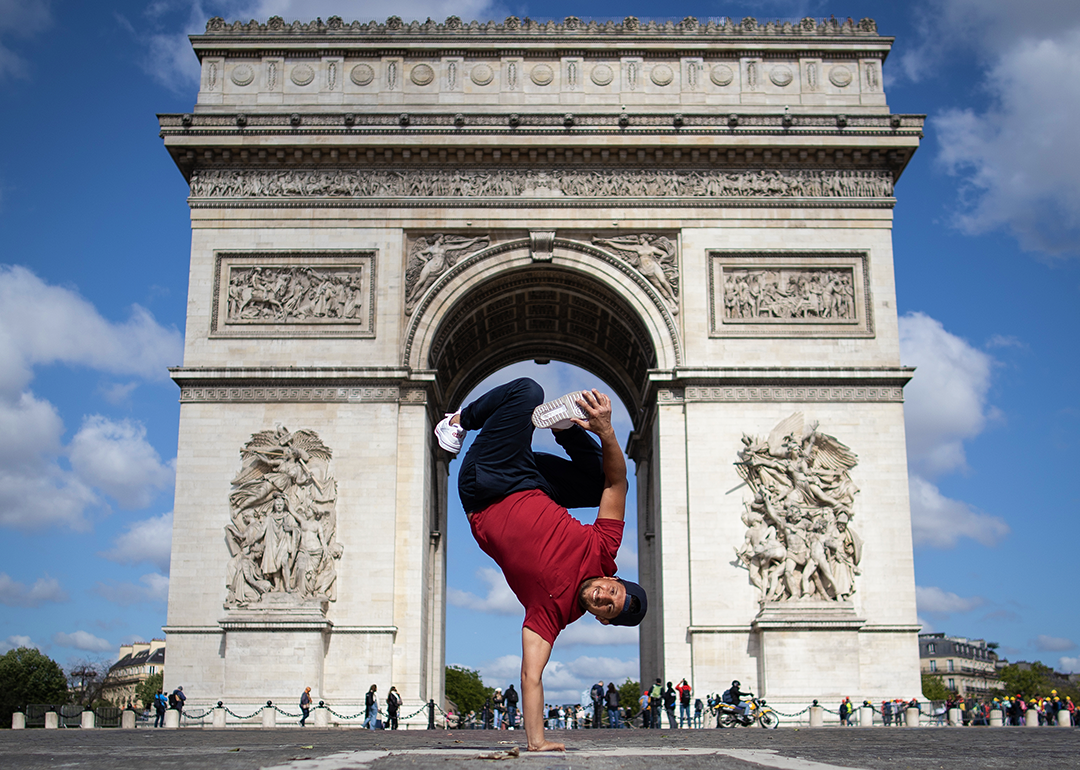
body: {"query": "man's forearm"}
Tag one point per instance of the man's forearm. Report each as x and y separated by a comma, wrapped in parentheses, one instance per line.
(532, 710)
(614, 462)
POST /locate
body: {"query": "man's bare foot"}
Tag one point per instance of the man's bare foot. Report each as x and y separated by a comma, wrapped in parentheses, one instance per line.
(548, 746)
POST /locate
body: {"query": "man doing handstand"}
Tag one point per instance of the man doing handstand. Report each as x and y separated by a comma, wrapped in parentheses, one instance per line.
(516, 500)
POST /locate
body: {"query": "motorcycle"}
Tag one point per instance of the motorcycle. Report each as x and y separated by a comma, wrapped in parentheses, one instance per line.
(729, 715)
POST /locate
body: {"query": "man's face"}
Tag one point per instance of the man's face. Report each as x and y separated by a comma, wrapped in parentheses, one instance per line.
(604, 597)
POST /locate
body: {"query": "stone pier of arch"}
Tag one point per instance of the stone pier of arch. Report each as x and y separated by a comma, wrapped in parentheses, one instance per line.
(384, 214)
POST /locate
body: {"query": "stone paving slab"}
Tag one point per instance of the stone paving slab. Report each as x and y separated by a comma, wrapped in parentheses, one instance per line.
(352, 749)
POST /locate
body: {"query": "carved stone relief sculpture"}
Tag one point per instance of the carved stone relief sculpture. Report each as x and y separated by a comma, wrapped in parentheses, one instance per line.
(282, 535)
(799, 541)
(651, 255)
(295, 295)
(430, 257)
(817, 295)
(558, 182)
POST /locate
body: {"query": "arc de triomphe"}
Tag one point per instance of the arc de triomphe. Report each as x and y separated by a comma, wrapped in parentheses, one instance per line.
(383, 214)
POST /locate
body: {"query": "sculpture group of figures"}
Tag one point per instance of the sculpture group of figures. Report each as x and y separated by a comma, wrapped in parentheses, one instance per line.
(292, 294)
(799, 540)
(794, 294)
(498, 183)
(284, 521)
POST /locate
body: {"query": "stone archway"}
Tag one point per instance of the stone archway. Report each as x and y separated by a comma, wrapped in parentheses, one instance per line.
(706, 229)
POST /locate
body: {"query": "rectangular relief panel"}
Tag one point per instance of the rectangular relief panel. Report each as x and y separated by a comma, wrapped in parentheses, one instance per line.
(294, 294)
(789, 294)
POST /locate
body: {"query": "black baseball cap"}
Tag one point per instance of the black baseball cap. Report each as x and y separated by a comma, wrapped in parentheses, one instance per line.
(637, 603)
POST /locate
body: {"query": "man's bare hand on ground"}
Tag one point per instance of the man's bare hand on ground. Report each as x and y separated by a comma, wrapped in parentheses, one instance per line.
(597, 407)
(548, 746)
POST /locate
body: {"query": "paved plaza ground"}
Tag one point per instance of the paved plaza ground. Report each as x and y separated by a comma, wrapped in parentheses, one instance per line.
(353, 749)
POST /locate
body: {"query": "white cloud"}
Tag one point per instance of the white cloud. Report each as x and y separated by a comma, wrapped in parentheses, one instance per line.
(153, 588)
(590, 631)
(564, 681)
(1018, 163)
(148, 540)
(81, 640)
(1044, 643)
(500, 600)
(933, 601)
(940, 522)
(46, 324)
(945, 403)
(16, 594)
(116, 458)
(14, 642)
(1068, 665)
(23, 18)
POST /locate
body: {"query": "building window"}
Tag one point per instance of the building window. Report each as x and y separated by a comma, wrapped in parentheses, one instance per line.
(930, 648)
(951, 667)
(933, 665)
(152, 670)
(952, 684)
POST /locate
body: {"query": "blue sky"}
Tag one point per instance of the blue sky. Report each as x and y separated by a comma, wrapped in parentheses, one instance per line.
(94, 242)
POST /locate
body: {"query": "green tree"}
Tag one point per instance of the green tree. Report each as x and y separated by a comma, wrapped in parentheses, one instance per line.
(465, 689)
(27, 676)
(1026, 681)
(934, 689)
(148, 688)
(629, 692)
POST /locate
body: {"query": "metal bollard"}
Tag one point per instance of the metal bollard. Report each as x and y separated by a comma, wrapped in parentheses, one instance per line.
(269, 715)
(955, 717)
(866, 716)
(127, 720)
(431, 715)
(817, 716)
(18, 720)
(996, 719)
(1063, 718)
(911, 717)
(172, 718)
(52, 720)
(322, 717)
(218, 722)
(1031, 718)
(86, 720)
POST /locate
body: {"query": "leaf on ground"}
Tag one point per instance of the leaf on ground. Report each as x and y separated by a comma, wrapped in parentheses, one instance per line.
(513, 753)
(307, 747)
(234, 749)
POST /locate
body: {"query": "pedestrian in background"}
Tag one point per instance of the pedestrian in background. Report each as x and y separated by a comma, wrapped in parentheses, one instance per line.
(393, 704)
(670, 698)
(305, 704)
(597, 694)
(161, 705)
(371, 708)
(611, 700)
(511, 698)
(683, 689)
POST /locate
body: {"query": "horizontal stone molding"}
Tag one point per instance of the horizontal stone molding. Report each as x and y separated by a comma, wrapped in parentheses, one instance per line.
(290, 394)
(365, 629)
(456, 123)
(300, 385)
(798, 394)
(277, 624)
(499, 184)
(571, 27)
(192, 629)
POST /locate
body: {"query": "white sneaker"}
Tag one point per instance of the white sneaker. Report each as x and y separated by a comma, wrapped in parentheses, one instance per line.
(556, 414)
(450, 436)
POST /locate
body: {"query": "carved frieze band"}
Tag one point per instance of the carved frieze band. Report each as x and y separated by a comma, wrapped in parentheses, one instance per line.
(294, 294)
(190, 394)
(795, 393)
(556, 183)
(789, 294)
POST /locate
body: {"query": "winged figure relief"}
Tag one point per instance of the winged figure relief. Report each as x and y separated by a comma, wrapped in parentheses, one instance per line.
(799, 543)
